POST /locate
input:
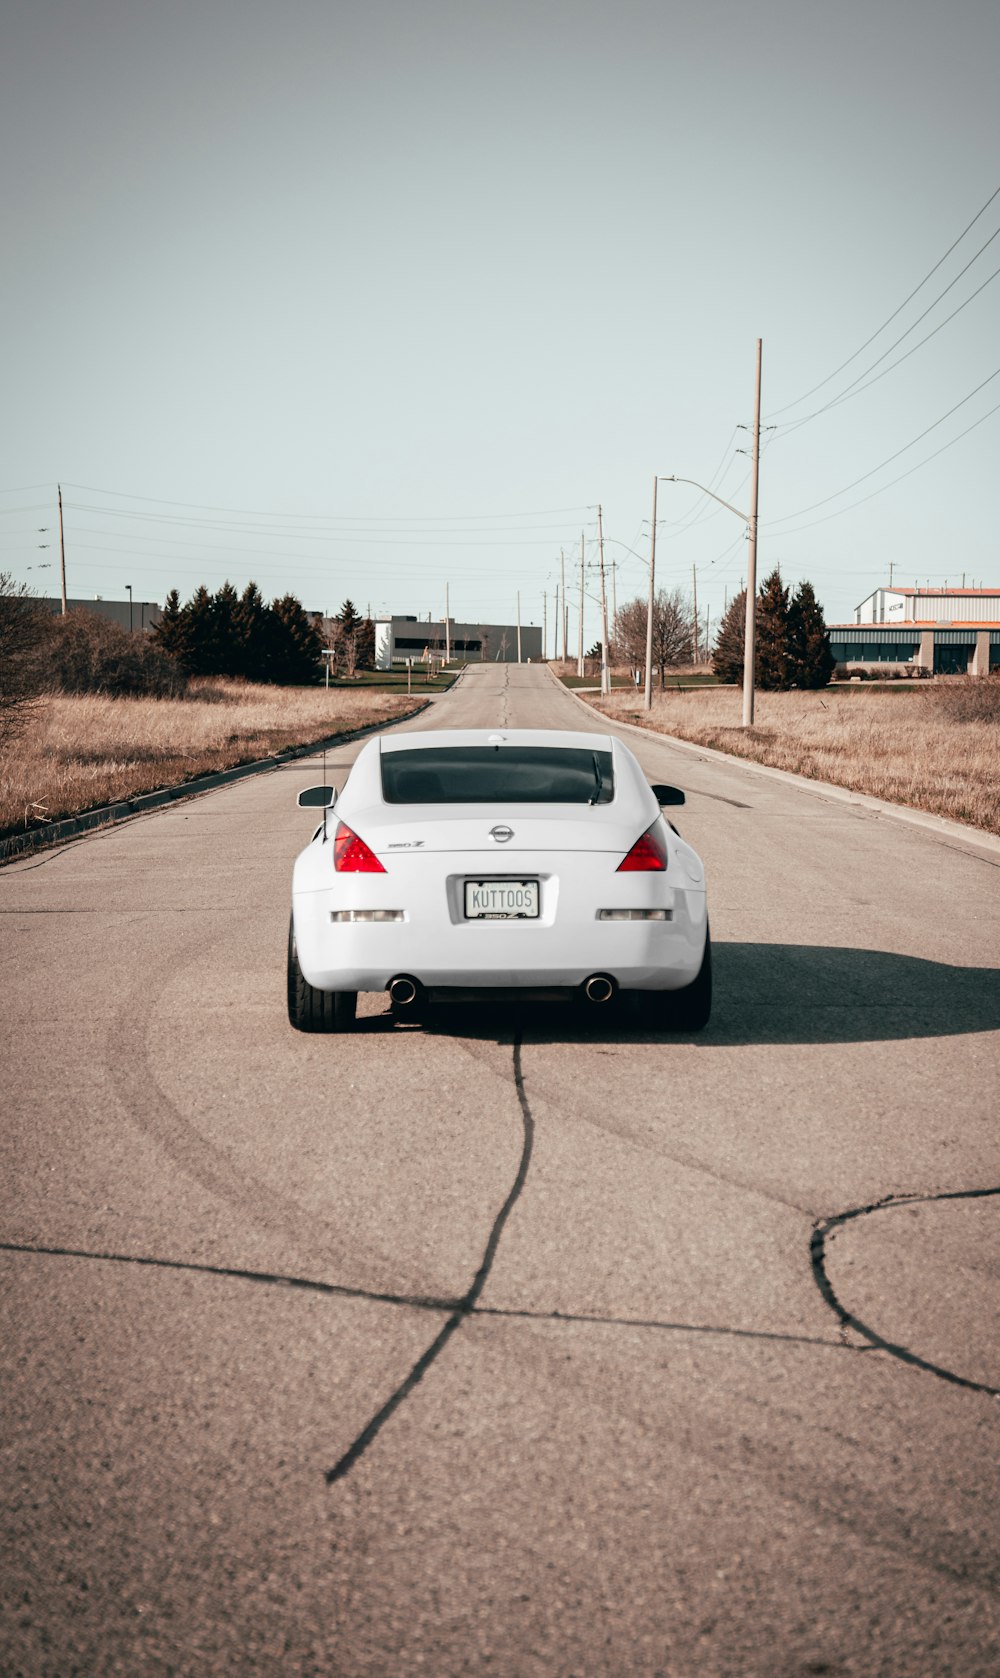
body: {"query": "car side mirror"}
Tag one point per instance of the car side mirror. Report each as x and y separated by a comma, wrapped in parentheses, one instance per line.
(317, 798)
(667, 795)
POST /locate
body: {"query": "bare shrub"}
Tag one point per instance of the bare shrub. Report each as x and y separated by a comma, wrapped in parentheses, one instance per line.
(90, 654)
(897, 742)
(86, 750)
(24, 623)
(970, 699)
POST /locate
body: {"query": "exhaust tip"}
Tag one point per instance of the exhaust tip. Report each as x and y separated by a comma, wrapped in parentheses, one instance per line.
(599, 988)
(402, 990)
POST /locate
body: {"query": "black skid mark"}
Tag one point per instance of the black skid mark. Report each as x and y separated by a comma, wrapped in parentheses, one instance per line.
(817, 1254)
(466, 1305)
(265, 1278)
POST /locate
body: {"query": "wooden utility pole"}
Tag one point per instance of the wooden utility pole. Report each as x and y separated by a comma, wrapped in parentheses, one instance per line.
(751, 612)
(579, 658)
(447, 628)
(62, 553)
(694, 579)
(605, 672)
(545, 625)
(519, 626)
(650, 608)
(565, 614)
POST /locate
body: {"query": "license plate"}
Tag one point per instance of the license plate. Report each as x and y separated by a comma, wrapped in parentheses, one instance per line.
(501, 900)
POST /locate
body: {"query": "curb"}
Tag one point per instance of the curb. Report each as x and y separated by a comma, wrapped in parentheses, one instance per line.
(941, 826)
(19, 844)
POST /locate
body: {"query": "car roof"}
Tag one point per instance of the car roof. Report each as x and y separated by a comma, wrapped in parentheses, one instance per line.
(557, 738)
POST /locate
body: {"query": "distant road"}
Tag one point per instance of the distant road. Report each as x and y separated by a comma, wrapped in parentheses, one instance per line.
(727, 1402)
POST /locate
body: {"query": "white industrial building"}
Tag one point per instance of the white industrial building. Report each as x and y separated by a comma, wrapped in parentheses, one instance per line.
(400, 638)
(932, 631)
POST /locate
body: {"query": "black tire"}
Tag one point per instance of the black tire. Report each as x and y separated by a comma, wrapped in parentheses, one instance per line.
(689, 1009)
(310, 1009)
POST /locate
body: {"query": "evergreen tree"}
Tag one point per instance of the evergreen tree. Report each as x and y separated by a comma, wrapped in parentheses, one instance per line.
(254, 635)
(170, 632)
(364, 637)
(298, 646)
(349, 616)
(730, 641)
(225, 641)
(772, 664)
(811, 663)
(199, 633)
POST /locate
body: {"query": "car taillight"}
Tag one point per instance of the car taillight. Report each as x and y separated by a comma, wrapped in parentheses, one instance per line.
(351, 855)
(648, 855)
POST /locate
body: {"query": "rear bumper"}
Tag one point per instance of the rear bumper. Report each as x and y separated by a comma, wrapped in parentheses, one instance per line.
(565, 946)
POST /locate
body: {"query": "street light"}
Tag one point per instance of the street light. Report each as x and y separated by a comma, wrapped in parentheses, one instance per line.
(129, 587)
(750, 520)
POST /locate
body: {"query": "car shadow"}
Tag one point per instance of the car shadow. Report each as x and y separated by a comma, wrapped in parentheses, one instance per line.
(764, 993)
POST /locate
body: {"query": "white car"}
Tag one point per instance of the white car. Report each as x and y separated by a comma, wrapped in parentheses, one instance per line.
(507, 861)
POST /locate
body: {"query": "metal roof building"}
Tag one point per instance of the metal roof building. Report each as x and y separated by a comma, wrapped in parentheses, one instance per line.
(937, 631)
(400, 638)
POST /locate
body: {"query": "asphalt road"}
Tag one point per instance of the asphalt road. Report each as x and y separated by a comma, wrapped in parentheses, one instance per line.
(526, 1344)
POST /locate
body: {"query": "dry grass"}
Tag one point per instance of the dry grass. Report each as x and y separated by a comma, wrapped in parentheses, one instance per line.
(81, 751)
(933, 748)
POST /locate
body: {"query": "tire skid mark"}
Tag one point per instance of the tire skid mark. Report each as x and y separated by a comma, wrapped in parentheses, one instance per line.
(817, 1252)
(466, 1304)
(266, 1278)
(424, 1302)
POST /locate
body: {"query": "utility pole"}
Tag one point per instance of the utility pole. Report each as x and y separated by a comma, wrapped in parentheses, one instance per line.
(579, 659)
(605, 672)
(694, 579)
(62, 553)
(545, 624)
(519, 626)
(565, 613)
(447, 628)
(751, 612)
(648, 692)
(614, 593)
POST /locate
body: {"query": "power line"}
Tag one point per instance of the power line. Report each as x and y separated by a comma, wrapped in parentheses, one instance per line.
(888, 322)
(893, 481)
(850, 390)
(257, 512)
(890, 458)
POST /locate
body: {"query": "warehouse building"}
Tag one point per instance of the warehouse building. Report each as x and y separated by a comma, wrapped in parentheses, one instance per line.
(922, 631)
(128, 614)
(397, 639)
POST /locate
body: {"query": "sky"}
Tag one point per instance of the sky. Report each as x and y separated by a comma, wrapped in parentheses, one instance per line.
(374, 300)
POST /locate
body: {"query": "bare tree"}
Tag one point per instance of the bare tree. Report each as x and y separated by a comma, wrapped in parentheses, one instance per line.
(673, 632)
(351, 649)
(332, 631)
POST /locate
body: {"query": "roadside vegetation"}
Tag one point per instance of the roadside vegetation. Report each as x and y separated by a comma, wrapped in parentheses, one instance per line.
(91, 714)
(80, 751)
(934, 746)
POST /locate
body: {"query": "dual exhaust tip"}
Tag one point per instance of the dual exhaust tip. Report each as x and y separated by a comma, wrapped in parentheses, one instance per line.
(405, 991)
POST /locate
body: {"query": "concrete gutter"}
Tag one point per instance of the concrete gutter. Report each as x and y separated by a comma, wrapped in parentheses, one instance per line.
(18, 844)
(940, 826)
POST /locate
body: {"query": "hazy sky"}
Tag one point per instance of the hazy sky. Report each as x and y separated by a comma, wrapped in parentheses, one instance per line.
(360, 299)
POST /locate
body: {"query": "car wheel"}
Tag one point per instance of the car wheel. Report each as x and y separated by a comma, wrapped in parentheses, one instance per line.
(310, 1009)
(689, 1009)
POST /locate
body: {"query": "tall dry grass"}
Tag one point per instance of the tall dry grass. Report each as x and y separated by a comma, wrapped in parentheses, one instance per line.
(81, 751)
(935, 748)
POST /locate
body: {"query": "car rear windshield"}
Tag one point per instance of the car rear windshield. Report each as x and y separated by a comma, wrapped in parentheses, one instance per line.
(487, 774)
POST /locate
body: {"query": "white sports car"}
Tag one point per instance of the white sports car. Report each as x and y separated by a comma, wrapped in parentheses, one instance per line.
(464, 862)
